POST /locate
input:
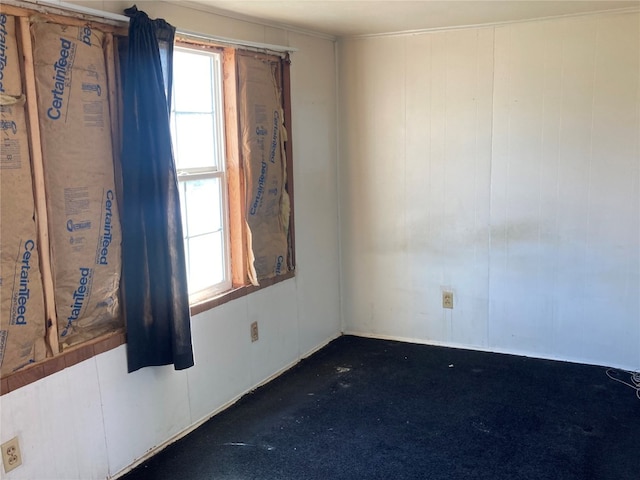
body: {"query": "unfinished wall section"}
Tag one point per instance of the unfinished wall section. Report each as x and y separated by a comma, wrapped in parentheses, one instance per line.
(22, 311)
(84, 226)
(261, 116)
(119, 418)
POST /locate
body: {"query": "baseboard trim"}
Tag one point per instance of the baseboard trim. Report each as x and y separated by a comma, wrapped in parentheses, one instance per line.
(183, 433)
(480, 348)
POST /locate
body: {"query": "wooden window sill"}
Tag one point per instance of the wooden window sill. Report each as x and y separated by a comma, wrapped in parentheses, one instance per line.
(66, 359)
(85, 351)
(237, 292)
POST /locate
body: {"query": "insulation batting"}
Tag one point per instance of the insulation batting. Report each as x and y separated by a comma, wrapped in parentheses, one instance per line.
(22, 315)
(10, 80)
(262, 137)
(84, 226)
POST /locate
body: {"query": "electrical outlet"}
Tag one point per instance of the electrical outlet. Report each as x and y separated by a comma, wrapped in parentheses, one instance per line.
(11, 457)
(254, 332)
(447, 299)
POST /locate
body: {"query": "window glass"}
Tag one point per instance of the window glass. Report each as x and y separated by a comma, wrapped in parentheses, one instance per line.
(203, 206)
(198, 142)
(195, 70)
(206, 262)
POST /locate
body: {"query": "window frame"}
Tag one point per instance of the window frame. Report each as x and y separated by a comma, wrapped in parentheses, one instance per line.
(219, 171)
(235, 172)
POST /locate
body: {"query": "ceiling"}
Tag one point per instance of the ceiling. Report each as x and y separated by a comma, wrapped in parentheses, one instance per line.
(367, 17)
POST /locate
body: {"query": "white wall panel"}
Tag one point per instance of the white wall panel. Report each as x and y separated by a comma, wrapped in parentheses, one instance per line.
(313, 100)
(515, 185)
(414, 189)
(67, 414)
(221, 353)
(565, 200)
(524, 213)
(374, 249)
(275, 310)
(141, 409)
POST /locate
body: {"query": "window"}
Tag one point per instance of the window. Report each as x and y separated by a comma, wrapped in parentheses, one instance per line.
(232, 142)
(197, 127)
(229, 122)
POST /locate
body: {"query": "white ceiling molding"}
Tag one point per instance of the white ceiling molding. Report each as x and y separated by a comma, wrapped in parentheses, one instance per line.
(349, 18)
(206, 7)
(496, 24)
(79, 11)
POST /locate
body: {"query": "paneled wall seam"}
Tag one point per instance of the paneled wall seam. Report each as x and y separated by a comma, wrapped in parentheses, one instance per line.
(102, 418)
(336, 59)
(490, 229)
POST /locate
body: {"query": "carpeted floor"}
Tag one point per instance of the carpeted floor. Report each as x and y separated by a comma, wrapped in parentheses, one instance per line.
(373, 409)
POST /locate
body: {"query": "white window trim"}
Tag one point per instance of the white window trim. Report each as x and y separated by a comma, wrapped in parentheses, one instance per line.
(186, 174)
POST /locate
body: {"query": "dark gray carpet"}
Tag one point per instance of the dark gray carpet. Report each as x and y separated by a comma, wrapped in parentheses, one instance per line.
(374, 409)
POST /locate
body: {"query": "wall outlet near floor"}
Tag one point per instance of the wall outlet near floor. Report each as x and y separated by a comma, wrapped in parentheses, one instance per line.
(447, 299)
(254, 332)
(11, 457)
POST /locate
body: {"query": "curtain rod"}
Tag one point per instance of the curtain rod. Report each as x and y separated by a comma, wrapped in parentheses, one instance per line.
(236, 43)
(82, 9)
(122, 18)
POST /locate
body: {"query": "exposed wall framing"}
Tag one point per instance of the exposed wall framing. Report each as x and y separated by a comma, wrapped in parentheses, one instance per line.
(24, 40)
(57, 359)
(241, 257)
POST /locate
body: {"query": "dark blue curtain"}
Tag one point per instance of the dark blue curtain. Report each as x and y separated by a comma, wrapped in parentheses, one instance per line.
(154, 276)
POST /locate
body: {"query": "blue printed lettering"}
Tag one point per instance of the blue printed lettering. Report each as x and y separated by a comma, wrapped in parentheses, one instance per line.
(3, 49)
(8, 125)
(260, 192)
(21, 297)
(106, 234)
(85, 35)
(79, 296)
(274, 137)
(61, 69)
